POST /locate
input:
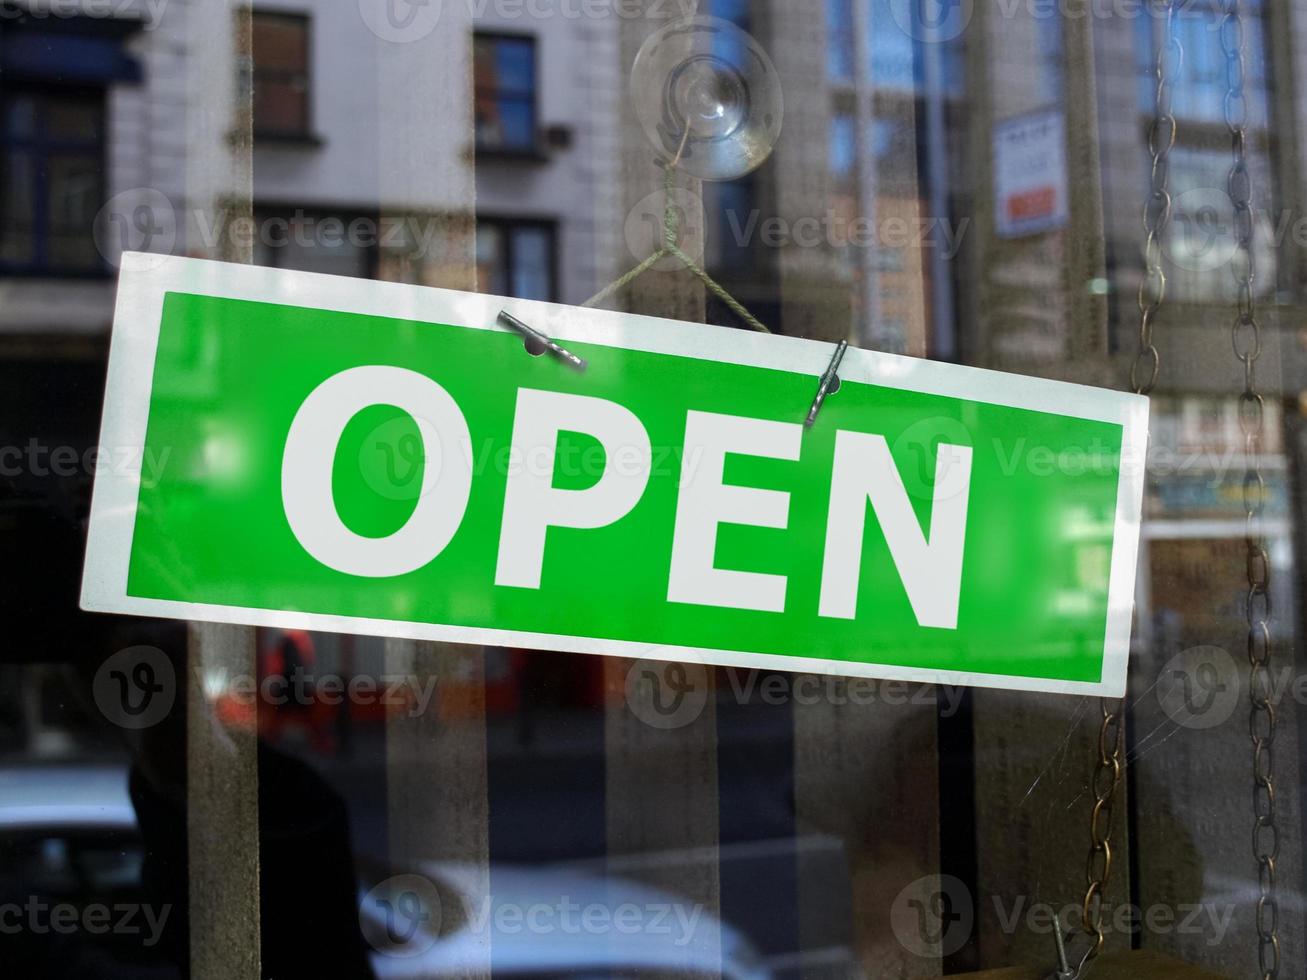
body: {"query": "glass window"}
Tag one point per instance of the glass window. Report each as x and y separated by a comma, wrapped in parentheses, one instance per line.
(281, 75)
(843, 150)
(533, 263)
(1199, 83)
(18, 243)
(316, 241)
(1200, 239)
(361, 807)
(894, 53)
(492, 260)
(736, 11)
(1048, 39)
(52, 148)
(516, 258)
(504, 69)
(840, 54)
(732, 215)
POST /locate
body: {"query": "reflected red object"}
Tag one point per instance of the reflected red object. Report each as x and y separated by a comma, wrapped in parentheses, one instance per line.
(1037, 203)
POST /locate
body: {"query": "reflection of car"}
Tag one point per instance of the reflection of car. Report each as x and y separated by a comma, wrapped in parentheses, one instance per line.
(550, 922)
(65, 798)
(69, 834)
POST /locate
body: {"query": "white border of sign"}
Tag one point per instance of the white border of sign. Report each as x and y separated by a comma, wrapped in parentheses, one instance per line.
(145, 279)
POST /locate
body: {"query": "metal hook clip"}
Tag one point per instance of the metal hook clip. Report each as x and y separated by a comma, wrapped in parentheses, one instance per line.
(1065, 971)
(542, 342)
(830, 382)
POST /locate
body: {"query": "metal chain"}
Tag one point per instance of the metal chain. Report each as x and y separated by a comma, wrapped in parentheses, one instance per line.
(1105, 784)
(1246, 337)
(1143, 376)
(1157, 208)
(1108, 766)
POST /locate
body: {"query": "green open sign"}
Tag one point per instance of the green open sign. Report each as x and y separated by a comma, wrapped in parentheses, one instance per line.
(371, 457)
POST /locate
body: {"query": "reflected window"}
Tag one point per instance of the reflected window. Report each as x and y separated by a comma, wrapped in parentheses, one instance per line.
(839, 40)
(894, 54)
(1199, 85)
(1200, 238)
(504, 69)
(316, 241)
(893, 51)
(731, 207)
(843, 151)
(1048, 38)
(516, 258)
(844, 182)
(52, 181)
(736, 11)
(281, 76)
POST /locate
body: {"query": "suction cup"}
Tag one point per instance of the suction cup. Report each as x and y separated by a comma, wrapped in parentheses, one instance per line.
(708, 96)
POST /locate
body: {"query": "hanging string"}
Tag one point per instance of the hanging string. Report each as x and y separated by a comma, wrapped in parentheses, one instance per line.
(671, 248)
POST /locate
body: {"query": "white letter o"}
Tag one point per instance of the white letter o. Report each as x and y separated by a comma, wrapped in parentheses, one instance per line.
(309, 459)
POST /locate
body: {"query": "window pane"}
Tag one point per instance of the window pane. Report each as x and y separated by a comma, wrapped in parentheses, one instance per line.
(894, 140)
(1048, 38)
(733, 214)
(506, 123)
(337, 256)
(515, 66)
(731, 48)
(504, 72)
(73, 198)
(517, 123)
(73, 121)
(843, 152)
(492, 263)
(281, 73)
(894, 62)
(280, 107)
(16, 244)
(839, 39)
(334, 244)
(53, 183)
(20, 117)
(1200, 238)
(736, 11)
(1199, 85)
(504, 65)
(280, 44)
(484, 70)
(844, 188)
(488, 130)
(532, 264)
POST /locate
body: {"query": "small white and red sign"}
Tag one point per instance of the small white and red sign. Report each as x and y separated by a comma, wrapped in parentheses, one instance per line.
(1030, 176)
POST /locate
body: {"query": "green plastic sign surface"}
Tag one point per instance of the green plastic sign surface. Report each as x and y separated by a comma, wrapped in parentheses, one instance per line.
(354, 456)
